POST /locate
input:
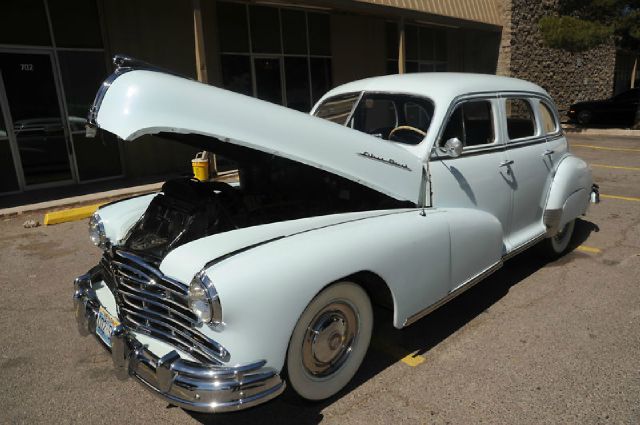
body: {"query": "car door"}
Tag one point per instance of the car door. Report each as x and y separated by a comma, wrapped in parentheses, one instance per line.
(477, 179)
(624, 106)
(528, 167)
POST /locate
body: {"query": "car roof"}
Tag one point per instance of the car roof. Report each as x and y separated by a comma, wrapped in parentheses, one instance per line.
(439, 86)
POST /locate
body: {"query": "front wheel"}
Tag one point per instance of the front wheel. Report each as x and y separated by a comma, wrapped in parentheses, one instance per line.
(329, 341)
(558, 245)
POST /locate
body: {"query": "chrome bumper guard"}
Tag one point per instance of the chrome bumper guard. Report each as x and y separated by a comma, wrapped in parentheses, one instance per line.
(187, 384)
(595, 194)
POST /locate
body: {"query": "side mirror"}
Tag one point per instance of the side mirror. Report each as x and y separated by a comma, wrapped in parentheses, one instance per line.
(453, 147)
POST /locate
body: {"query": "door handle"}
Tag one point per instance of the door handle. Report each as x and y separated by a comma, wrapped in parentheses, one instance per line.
(548, 152)
(506, 163)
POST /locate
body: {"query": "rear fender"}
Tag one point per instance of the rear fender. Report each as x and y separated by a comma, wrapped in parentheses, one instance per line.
(569, 193)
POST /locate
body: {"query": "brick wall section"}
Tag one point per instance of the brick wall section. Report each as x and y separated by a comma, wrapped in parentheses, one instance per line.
(568, 77)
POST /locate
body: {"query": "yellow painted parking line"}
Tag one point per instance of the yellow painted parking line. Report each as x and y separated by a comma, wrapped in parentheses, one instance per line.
(397, 353)
(413, 360)
(604, 148)
(589, 249)
(70, 214)
(616, 167)
(623, 198)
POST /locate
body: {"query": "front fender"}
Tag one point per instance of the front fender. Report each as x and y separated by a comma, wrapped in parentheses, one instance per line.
(118, 217)
(569, 193)
(265, 290)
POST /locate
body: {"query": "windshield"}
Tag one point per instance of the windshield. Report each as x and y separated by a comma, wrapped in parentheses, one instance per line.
(395, 117)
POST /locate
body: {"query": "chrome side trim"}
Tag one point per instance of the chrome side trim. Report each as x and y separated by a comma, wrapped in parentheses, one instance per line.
(459, 290)
(524, 246)
(190, 385)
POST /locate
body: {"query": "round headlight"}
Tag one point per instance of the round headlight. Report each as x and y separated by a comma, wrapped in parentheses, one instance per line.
(96, 231)
(204, 300)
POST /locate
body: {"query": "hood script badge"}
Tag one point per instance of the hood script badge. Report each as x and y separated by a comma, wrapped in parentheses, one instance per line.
(389, 161)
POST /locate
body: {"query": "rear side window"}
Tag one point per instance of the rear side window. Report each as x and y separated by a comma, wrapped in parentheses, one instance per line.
(520, 120)
(549, 124)
(472, 123)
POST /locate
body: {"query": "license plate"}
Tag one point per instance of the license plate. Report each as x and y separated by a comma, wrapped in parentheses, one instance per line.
(105, 323)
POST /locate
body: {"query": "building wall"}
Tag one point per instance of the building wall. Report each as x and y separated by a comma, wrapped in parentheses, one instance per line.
(568, 77)
(159, 32)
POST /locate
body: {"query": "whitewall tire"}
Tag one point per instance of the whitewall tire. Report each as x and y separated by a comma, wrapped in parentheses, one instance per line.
(329, 341)
(558, 245)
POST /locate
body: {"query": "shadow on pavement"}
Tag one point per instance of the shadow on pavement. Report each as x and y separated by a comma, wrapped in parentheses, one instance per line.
(418, 338)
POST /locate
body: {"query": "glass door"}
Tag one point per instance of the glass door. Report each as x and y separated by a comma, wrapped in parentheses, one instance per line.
(38, 128)
(8, 176)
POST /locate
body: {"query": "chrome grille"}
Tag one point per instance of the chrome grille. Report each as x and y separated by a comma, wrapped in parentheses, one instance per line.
(156, 305)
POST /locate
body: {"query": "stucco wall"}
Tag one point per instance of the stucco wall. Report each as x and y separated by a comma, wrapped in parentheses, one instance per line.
(568, 77)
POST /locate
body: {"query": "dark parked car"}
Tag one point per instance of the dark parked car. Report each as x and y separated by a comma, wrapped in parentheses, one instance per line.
(619, 110)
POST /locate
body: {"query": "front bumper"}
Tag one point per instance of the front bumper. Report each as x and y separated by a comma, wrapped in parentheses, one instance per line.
(184, 383)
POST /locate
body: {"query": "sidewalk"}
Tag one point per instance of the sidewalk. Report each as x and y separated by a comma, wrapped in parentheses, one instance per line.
(573, 130)
(53, 199)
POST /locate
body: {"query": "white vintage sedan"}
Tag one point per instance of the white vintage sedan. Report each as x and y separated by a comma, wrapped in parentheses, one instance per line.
(402, 190)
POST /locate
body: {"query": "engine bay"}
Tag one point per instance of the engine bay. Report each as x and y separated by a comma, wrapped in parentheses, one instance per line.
(270, 189)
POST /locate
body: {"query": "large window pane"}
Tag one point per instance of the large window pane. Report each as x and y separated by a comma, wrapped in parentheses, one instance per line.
(319, 34)
(296, 71)
(426, 43)
(75, 23)
(440, 39)
(232, 27)
(265, 29)
(24, 22)
(320, 77)
(268, 82)
(294, 32)
(82, 74)
(411, 41)
(391, 33)
(236, 73)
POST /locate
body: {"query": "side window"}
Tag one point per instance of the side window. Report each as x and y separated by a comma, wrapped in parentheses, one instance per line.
(472, 123)
(549, 124)
(520, 120)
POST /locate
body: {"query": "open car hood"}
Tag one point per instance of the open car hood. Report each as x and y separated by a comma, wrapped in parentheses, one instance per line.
(135, 102)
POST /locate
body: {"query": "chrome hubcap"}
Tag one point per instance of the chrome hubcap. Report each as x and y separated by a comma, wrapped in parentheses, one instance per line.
(329, 339)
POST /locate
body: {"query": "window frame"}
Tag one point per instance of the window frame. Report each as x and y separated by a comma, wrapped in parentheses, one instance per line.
(542, 103)
(537, 125)
(493, 100)
(280, 55)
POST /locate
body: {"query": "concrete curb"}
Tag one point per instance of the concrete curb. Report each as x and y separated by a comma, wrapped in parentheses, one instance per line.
(578, 131)
(70, 214)
(83, 200)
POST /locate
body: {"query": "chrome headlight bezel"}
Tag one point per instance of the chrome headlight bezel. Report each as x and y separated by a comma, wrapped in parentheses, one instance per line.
(97, 234)
(203, 293)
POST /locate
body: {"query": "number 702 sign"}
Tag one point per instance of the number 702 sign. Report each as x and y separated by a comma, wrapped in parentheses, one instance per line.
(26, 67)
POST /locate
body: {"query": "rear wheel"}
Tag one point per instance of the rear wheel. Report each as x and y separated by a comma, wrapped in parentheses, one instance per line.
(329, 341)
(558, 245)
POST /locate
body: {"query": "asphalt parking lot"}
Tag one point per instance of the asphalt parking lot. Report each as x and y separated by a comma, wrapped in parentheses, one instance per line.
(537, 342)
